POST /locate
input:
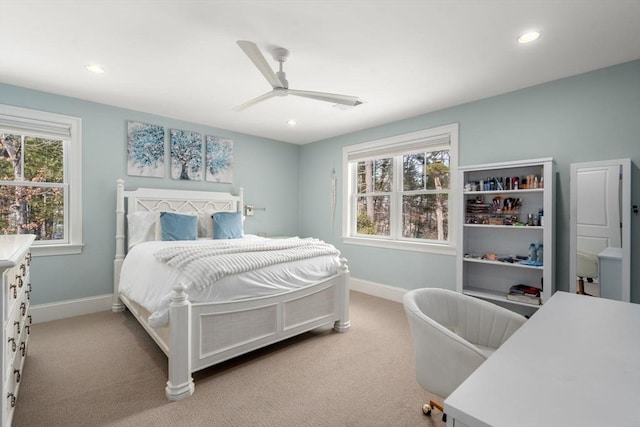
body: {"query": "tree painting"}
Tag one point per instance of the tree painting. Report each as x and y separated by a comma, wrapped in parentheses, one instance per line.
(145, 150)
(186, 155)
(219, 159)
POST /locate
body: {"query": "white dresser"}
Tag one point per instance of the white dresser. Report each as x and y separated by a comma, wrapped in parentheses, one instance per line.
(15, 258)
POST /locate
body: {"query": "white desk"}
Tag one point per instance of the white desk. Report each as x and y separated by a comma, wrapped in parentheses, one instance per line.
(576, 362)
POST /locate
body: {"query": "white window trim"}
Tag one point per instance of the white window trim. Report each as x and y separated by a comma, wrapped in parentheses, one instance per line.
(395, 143)
(51, 125)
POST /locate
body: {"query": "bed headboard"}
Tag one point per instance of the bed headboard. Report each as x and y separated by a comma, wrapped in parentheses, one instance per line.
(154, 199)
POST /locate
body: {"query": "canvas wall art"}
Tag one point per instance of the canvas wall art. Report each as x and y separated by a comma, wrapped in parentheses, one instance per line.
(219, 159)
(145, 150)
(186, 155)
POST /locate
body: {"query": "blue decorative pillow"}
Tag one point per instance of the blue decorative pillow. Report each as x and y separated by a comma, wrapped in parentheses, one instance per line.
(227, 225)
(177, 226)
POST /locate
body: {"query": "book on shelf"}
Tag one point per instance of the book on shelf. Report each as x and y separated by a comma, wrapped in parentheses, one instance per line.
(524, 293)
(524, 298)
(525, 290)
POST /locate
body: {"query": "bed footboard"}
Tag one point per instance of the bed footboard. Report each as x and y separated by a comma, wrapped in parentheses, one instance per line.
(205, 334)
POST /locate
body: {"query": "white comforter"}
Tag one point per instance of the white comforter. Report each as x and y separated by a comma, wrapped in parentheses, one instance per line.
(150, 282)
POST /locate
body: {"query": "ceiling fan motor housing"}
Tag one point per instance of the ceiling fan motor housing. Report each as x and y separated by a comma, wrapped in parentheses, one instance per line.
(282, 76)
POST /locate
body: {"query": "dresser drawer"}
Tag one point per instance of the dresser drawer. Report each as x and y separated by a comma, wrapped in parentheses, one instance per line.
(16, 324)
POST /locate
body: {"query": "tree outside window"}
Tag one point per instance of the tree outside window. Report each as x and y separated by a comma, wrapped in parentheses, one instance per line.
(423, 193)
(32, 186)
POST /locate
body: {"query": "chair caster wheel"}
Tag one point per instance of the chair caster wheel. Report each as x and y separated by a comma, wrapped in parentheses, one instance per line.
(426, 409)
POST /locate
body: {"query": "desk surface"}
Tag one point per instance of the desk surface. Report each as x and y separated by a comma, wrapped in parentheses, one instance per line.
(576, 362)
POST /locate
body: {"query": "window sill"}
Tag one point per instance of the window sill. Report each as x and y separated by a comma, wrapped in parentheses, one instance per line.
(53, 249)
(401, 245)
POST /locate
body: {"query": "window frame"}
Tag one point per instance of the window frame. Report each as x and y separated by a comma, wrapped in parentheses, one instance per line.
(433, 139)
(68, 129)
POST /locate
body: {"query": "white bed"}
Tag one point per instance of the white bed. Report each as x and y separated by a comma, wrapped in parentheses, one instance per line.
(206, 327)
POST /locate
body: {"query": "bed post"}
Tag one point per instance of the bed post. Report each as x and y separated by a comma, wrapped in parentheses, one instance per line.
(117, 305)
(343, 323)
(180, 384)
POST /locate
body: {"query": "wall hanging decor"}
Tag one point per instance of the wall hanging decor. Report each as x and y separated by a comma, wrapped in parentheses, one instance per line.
(219, 159)
(145, 150)
(186, 155)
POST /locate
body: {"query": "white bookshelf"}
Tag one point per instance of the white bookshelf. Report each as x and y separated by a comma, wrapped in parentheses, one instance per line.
(489, 228)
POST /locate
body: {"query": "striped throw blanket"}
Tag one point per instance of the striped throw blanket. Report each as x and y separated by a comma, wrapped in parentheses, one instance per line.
(204, 265)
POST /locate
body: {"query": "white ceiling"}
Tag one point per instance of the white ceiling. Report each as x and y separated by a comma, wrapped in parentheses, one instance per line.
(403, 58)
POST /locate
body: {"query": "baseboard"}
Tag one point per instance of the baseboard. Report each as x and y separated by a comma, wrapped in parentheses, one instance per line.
(377, 289)
(70, 308)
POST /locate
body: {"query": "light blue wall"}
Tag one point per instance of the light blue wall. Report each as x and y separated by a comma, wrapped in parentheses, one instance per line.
(584, 118)
(593, 116)
(266, 169)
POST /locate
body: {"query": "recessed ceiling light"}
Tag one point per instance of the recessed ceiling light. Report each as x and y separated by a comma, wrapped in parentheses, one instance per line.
(95, 69)
(291, 122)
(529, 37)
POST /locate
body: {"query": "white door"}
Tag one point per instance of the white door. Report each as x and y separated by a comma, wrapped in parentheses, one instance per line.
(598, 209)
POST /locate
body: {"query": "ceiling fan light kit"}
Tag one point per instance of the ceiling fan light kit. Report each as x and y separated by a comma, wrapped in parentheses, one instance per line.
(278, 80)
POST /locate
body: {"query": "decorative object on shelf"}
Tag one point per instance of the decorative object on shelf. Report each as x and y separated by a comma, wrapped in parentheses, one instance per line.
(218, 159)
(186, 155)
(145, 150)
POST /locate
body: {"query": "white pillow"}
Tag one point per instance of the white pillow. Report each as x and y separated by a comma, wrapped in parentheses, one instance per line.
(205, 224)
(143, 227)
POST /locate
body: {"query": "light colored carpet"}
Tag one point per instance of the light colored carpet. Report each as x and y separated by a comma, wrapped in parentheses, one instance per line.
(103, 370)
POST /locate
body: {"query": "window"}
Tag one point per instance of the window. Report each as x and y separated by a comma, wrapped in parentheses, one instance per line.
(398, 191)
(40, 179)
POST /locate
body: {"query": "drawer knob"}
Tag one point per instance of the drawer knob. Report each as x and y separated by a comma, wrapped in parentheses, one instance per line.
(13, 344)
(23, 348)
(17, 373)
(12, 397)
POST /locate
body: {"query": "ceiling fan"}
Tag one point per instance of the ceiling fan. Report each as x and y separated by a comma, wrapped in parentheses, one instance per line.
(279, 83)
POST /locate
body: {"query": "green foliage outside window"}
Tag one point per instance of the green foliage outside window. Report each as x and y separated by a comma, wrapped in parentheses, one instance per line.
(27, 207)
(365, 224)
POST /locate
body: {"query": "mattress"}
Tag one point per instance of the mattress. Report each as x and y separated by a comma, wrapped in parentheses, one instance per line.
(149, 282)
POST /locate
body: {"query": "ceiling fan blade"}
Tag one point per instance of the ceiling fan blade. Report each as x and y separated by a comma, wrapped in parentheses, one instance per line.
(328, 97)
(254, 54)
(255, 101)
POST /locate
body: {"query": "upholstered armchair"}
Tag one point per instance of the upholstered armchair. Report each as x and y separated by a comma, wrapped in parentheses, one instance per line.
(452, 335)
